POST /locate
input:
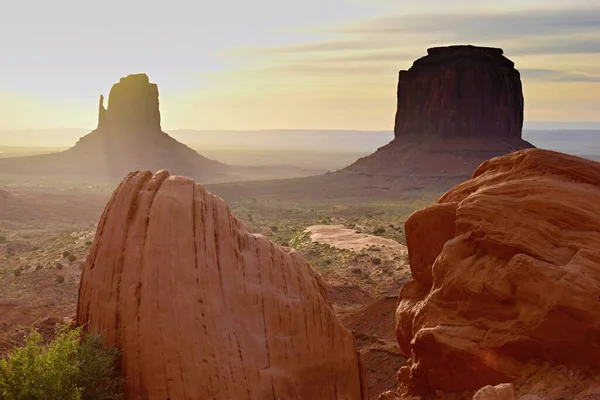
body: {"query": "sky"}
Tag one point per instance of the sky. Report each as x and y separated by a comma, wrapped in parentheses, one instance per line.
(265, 64)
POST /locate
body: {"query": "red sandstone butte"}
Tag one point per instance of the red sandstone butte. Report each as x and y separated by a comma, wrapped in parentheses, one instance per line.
(460, 91)
(203, 309)
(457, 107)
(506, 270)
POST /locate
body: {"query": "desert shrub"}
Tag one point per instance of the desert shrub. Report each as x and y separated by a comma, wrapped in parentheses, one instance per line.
(17, 272)
(88, 243)
(38, 267)
(356, 270)
(274, 228)
(376, 260)
(59, 265)
(72, 257)
(71, 367)
(379, 231)
(60, 278)
(66, 254)
(3, 239)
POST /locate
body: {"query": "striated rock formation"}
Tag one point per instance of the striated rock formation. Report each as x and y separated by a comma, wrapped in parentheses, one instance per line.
(457, 107)
(201, 308)
(506, 271)
(128, 138)
(460, 91)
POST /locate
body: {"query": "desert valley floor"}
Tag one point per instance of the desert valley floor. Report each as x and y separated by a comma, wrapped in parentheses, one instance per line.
(357, 245)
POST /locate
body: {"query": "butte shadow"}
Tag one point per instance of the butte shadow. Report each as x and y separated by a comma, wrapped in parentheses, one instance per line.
(457, 107)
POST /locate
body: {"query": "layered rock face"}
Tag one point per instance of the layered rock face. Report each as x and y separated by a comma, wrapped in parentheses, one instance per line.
(457, 107)
(133, 105)
(201, 308)
(460, 91)
(506, 275)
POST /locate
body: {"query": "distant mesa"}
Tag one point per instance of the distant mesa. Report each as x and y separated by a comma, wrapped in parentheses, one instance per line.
(128, 138)
(457, 107)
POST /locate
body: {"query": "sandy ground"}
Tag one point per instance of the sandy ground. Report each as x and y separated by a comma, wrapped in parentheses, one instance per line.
(340, 237)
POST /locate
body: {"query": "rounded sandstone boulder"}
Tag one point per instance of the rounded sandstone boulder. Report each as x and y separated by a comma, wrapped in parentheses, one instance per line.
(203, 309)
(506, 271)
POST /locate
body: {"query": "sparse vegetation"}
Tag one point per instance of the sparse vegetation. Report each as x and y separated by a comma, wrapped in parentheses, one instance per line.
(379, 231)
(74, 366)
(60, 278)
(66, 254)
(17, 272)
(88, 243)
(321, 256)
(59, 266)
(38, 267)
(356, 271)
(3, 239)
(72, 257)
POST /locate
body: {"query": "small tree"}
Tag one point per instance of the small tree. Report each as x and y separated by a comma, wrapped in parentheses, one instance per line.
(72, 367)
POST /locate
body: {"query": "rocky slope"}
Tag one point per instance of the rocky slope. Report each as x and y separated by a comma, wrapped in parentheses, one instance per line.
(201, 308)
(129, 137)
(506, 279)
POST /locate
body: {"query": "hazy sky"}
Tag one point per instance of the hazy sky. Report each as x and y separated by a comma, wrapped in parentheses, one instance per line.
(240, 64)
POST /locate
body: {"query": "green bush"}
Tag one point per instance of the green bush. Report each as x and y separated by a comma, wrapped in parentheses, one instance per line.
(72, 367)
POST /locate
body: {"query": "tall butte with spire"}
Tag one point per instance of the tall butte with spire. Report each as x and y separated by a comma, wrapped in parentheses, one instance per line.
(457, 107)
(128, 138)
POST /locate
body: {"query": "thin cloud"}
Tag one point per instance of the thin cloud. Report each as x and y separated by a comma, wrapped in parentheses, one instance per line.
(566, 31)
(481, 26)
(564, 45)
(307, 48)
(377, 46)
(558, 76)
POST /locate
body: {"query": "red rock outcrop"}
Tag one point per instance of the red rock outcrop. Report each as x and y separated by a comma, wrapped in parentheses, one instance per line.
(203, 309)
(460, 91)
(506, 270)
